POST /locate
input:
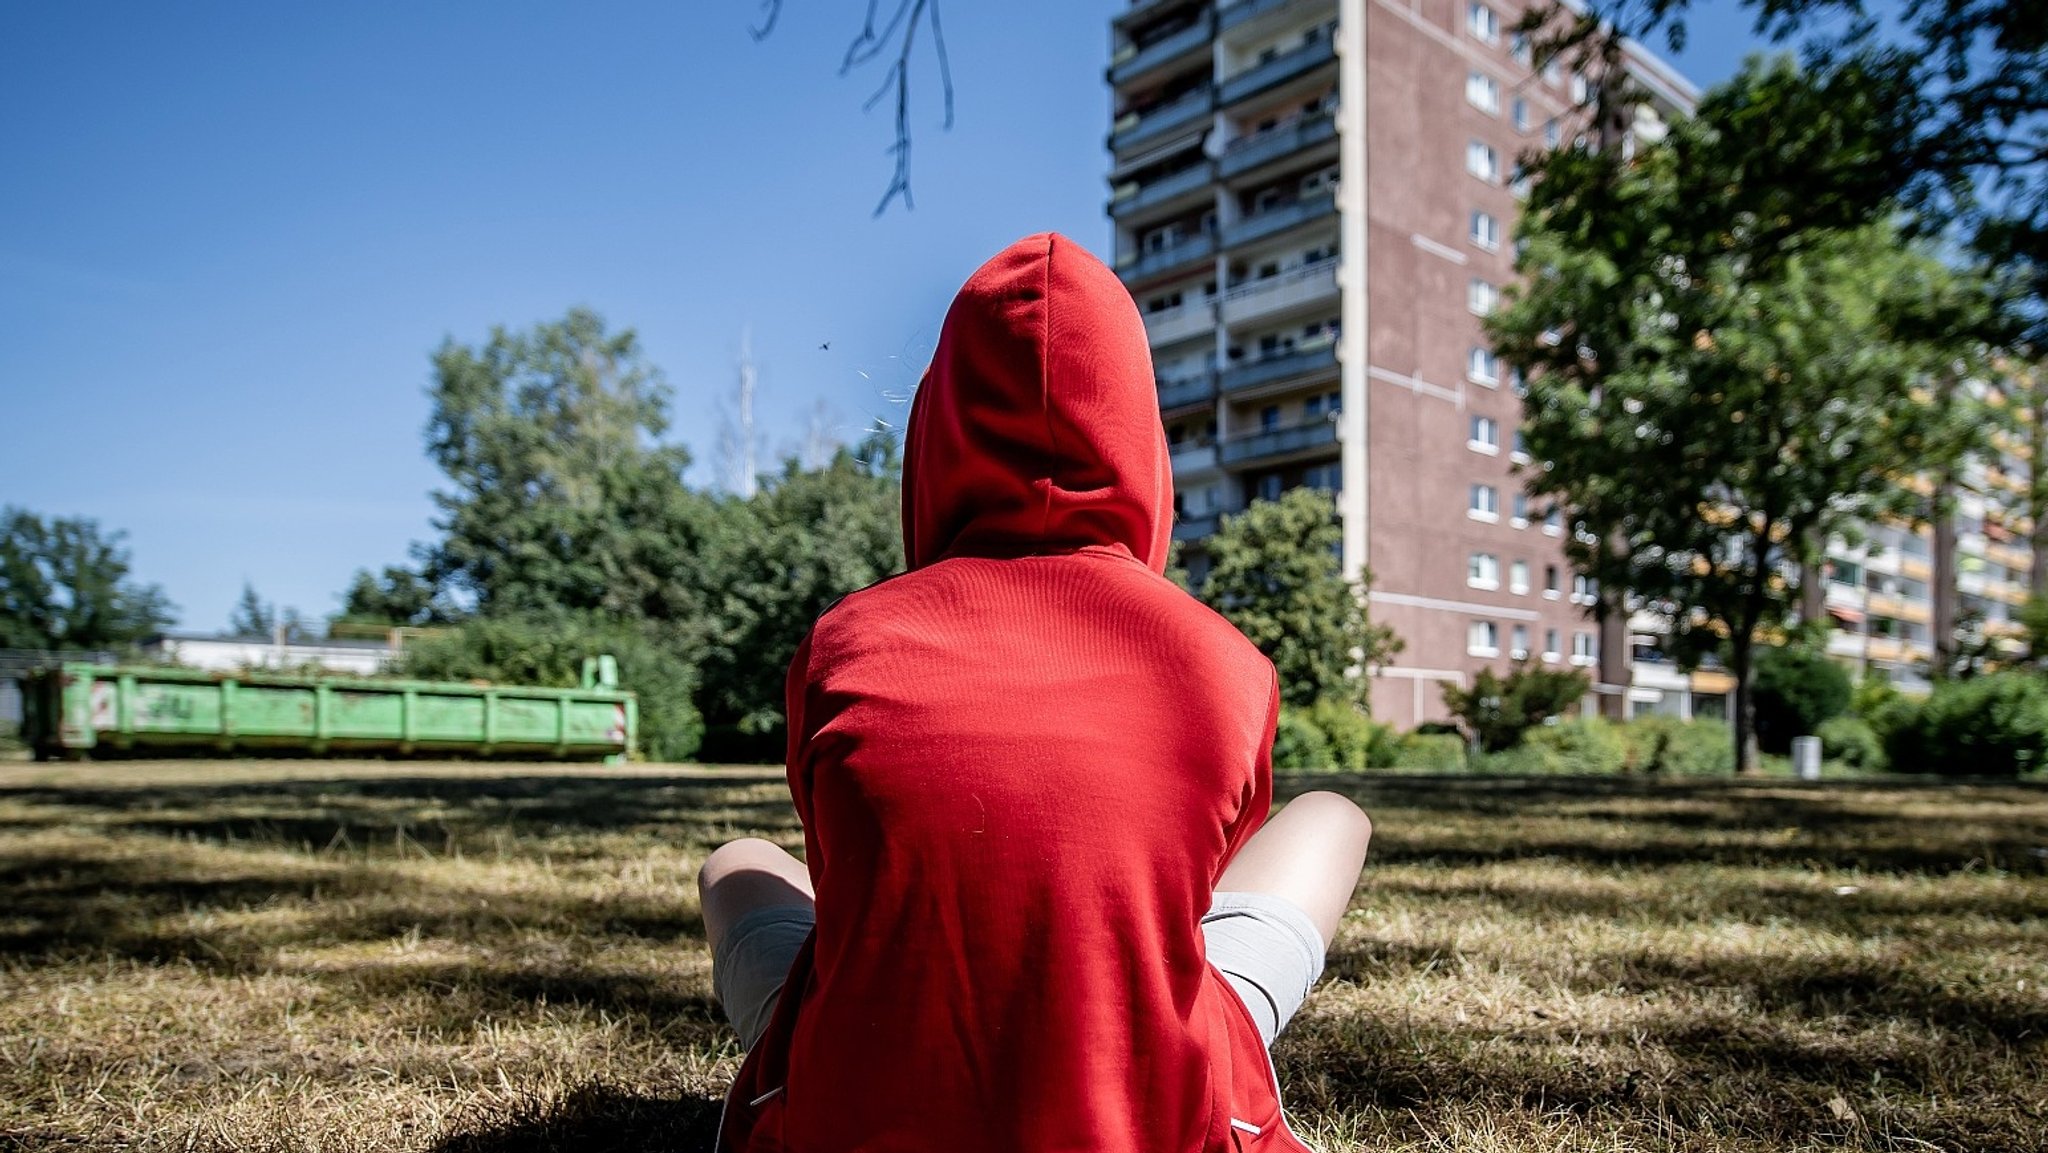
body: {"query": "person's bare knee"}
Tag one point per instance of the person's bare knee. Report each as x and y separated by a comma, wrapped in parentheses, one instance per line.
(744, 875)
(1336, 816)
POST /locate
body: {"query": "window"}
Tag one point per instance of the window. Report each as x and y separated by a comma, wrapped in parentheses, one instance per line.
(1269, 418)
(1519, 647)
(1482, 367)
(1517, 382)
(1550, 584)
(1518, 47)
(1518, 578)
(1584, 590)
(1550, 653)
(1269, 487)
(1521, 510)
(1582, 649)
(1520, 111)
(1328, 477)
(1552, 134)
(1483, 503)
(1553, 522)
(1481, 296)
(1482, 161)
(1580, 89)
(1482, 639)
(1485, 231)
(1521, 450)
(1482, 571)
(1482, 22)
(1482, 92)
(1484, 435)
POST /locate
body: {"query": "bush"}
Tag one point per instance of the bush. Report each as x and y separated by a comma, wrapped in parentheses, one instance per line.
(548, 651)
(1350, 734)
(1667, 745)
(1522, 760)
(1298, 742)
(1586, 745)
(1993, 725)
(1498, 711)
(1795, 689)
(1441, 751)
(1852, 741)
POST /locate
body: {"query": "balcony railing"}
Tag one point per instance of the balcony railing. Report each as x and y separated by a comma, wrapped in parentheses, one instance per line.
(1136, 128)
(1290, 289)
(1279, 442)
(1191, 179)
(1286, 366)
(1168, 259)
(1299, 134)
(1164, 51)
(1280, 219)
(1236, 14)
(1192, 458)
(1195, 527)
(1172, 324)
(1279, 70)
(1186, 391)
(1140, 9)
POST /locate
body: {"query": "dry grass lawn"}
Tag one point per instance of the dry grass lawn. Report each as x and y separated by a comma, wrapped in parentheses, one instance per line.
(340, 956)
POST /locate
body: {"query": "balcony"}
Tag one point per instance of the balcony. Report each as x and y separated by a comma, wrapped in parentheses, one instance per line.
(1195, 527)
(1279, 219)
(1172, 258)
(1143, 9)
(1236, 14)
(1164, 51)
(1277, 143)
(1279, 70)
(1287, 366)
(1291, 289)
(1258, 447)
(1134, 128)
(1174, 324)
(1192, 458)
(1167, 188)
(1190, 390)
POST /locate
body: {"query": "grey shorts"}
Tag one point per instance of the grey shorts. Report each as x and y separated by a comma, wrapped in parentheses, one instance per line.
(1265, 946)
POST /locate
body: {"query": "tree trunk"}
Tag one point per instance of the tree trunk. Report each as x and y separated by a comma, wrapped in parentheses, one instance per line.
(1944, 593)
(2037, 487)
(1612, 619)
(1744, 710)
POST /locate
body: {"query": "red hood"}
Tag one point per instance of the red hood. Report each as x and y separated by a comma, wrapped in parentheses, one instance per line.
(1037, 428)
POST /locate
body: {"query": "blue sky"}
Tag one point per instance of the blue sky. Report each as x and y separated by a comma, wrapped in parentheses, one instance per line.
(231, 233)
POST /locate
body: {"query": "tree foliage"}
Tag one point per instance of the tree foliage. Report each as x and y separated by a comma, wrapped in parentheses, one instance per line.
(1274, 573)
(1798, 689)
(1498, 711)
(66, 585)
(1721, 376)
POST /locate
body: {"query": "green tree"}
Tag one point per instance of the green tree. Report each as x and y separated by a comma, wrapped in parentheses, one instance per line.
(1712, 390)
(1797, 690)
(1274, 573)
(397, 597)
(562, 496)
(65, 585)
(778, 561)
(1498, 711)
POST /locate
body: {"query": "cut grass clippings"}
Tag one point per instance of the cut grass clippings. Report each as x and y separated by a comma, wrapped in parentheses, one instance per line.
(329, 956)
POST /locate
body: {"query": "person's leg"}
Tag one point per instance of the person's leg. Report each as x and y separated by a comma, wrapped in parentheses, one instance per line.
(1310, 853)
(1279, 903)
(758, 909)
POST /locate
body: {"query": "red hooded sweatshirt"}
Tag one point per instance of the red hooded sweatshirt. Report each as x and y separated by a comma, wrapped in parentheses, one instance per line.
(1021, 767)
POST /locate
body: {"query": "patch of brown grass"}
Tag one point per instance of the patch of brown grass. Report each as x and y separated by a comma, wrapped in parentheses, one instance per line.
(467, 958)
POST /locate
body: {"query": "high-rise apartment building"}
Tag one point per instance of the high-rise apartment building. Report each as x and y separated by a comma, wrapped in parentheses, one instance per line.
(1314, 204)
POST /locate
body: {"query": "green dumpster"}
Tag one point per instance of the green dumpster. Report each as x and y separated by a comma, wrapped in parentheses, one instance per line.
(81, 710)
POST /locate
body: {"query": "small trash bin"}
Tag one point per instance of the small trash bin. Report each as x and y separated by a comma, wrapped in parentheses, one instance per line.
(1806, 758)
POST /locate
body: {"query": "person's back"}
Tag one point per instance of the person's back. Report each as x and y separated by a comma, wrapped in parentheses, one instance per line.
(1021, 768)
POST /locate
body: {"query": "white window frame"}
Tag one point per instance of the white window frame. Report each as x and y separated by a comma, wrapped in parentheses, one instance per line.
(1550, 654)
(1482, 366)
(1553, 525)
(1482, 161)
(1481, 296)
(1482, 502)
(1482, 92)
(1583, 640)
(1580, 88)
(1482, 23)
(1518, 645)
(1483, 229)
(1518, 578)
(1477, 568)
(1520, 519)
(1482, 639)
(1482, 434)
(1550, 591)
(1518, 112)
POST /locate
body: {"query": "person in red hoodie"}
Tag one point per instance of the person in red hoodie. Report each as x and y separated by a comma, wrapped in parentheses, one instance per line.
(1037, 910)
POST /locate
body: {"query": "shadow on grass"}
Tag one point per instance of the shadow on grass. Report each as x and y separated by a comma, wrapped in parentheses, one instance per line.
(592, 1118)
